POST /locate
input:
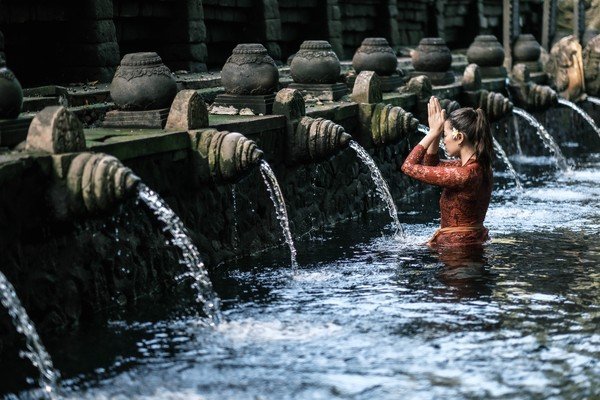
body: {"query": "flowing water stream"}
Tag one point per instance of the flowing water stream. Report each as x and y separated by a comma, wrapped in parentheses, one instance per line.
(500, 151)
(280, 209)
(517, 136)
(593, 100)
(547, 139)
(381, 187)
(196, 271)
(36, 352)
(581, 112)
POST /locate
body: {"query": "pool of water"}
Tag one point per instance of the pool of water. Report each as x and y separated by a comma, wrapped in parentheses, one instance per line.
(366, 315)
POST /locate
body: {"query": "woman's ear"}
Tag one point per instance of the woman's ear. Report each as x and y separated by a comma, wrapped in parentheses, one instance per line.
(460, 138)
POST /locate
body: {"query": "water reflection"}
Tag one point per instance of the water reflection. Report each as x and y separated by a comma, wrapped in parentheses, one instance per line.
(466, 270)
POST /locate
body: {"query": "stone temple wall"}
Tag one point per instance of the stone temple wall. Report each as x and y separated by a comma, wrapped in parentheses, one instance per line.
(65, 42)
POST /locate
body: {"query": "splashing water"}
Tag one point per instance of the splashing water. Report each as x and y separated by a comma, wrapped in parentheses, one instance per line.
(279, 204)
(196, 270)
(594, 100)
(548, 140)
(580, 111)
(381, 186)
(423, 129)
(36, 353)
(500, 151)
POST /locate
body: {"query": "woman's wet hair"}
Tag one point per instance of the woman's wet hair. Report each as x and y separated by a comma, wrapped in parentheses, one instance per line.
(474, 124)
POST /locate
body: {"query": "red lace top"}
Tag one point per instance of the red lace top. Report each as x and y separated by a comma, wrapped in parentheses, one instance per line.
(465, 198)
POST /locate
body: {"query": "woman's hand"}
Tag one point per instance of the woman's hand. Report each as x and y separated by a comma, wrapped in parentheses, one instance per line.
(436, 116)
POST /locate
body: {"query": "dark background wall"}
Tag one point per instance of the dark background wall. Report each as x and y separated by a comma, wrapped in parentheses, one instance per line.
(65, 41)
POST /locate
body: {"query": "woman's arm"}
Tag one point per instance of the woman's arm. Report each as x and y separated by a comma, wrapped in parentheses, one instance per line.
(448, 177)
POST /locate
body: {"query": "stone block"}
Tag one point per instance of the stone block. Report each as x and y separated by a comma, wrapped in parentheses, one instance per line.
(55, 130)
(271, 9)
(188, 112)
(94, 9)
(367, 88)
(290, 103)
(92, 31)
(273, 29)
(196, 31)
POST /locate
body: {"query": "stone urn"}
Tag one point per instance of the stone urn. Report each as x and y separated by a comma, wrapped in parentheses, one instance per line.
(250, 71)
(432, 55)
(11, 93)
(526, 48)
(486, 51)
(143, 82)
(315, 62)
(375, 54)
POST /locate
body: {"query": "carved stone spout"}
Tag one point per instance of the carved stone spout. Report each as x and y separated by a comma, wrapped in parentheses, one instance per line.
(315, 140)
(495, 105)
(565, 68)
(391, 124)
(222, 156)
(529, 95)
(97, 182)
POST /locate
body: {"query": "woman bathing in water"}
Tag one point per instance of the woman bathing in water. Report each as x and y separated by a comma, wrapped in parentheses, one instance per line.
(467, 181)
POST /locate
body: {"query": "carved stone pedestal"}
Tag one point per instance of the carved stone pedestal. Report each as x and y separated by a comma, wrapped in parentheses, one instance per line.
(148, 119)
(321, 91)
(259, 104)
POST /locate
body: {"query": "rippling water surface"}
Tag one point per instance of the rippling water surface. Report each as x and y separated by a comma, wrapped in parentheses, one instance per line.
(368, 316)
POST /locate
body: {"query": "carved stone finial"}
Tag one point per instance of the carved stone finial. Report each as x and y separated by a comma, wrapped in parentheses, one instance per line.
(527, 50)
(315, 62)
(142, 82)
(565, 68)
(188, 112)
(375, 54)
(315, 140)
(97, 181)
(487, 52)
(472, 78)
(591, 64)
(250, 71)
(55, 130)
(289, 102)
(433, 58)
(367, 88)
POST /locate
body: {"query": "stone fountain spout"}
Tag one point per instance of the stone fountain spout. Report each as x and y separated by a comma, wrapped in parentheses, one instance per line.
(96, 182)
(222, 156)
(495, 105)
(528, 95)
(380, 124)
(315, 140)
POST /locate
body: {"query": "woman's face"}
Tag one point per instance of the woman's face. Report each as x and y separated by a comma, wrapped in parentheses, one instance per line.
(452, 145)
